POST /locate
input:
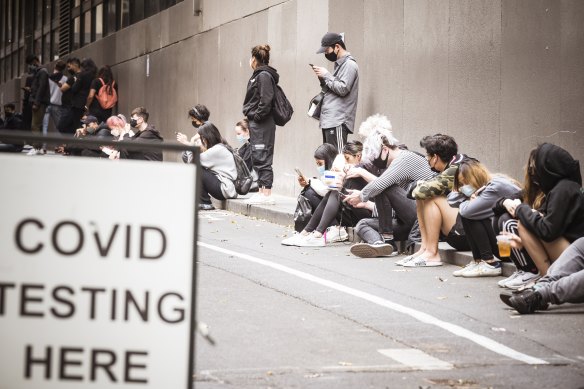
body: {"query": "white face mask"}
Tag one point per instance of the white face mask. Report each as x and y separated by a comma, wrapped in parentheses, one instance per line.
(241, 138)
(320, 170)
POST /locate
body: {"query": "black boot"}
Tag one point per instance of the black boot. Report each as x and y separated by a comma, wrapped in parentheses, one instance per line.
(526, 301)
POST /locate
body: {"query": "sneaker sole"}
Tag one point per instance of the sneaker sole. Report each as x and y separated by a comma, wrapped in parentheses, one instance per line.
(477, 275)
(364, 250)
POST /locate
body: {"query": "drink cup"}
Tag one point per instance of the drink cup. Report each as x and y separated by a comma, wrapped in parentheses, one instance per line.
(504, 243)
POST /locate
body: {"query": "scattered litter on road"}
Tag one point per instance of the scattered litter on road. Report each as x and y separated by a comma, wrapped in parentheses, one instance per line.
(315, 375)
(441, 297)
(342, 363)
(498, 329)
(467, 296)
(442, 279)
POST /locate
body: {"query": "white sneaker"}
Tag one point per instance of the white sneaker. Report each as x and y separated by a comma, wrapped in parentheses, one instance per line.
(311, 241)
(336, 234)
(404, 260)
(33, 152)
(260, 199)
(468, 266)
(502, 283)
(523, 279)
(483, 269)
(293, 240)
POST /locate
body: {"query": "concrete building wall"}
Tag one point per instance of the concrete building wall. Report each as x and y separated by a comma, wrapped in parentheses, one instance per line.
(499, 76)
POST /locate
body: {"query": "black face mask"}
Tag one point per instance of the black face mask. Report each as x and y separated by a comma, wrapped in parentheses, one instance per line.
(195, 124)
(331, 56)
(380, 162)
(433, 168)
(133, 123)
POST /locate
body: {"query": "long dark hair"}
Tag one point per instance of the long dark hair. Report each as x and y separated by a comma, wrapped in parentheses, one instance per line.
(211, 135)
(88, 66)
(326, 152)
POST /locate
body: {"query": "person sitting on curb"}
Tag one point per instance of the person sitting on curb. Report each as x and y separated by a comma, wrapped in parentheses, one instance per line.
(198, 115)
(435, 215)
(245, 150)
(219, 170)
(145, 133)
(477, 192)
(402, 167)
(322, 227)
(563, 283)
(549, 230)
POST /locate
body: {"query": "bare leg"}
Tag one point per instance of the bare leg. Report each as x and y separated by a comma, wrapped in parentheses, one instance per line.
(449, 214)
(535, 249)
(422, 225)
(555, 248)
(432, 223)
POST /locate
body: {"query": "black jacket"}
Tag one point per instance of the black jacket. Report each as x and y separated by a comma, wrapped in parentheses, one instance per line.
(40, 92)
(261, 87)
(12, 123)
(149, 135)
(559, 177)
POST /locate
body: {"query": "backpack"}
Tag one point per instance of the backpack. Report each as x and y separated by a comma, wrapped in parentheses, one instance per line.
(282, 110)
(105, 99)
(244, 179)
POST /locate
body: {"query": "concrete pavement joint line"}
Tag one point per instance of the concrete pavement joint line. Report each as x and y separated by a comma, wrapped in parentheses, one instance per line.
(421, 316)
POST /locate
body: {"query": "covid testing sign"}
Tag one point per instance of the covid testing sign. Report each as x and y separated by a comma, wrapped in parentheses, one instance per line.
(97, 273)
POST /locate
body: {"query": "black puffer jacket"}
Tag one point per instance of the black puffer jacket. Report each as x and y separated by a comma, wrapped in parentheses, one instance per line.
(559, 177)
(40, 92)
(259, 97)
(149, 135)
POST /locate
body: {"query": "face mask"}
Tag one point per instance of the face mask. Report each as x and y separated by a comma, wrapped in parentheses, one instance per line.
(241, 138)
(32, 68)
(379, 161)
(332, 56)
(320, 170)
(133, 123)
(195, 124)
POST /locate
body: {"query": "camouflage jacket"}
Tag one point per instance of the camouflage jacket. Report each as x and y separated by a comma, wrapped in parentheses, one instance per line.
(440, 185)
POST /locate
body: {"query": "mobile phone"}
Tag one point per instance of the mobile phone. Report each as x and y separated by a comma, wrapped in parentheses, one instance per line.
(298, 172)
(311, 65)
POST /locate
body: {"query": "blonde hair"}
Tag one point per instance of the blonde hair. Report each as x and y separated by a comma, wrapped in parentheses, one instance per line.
(377, 131)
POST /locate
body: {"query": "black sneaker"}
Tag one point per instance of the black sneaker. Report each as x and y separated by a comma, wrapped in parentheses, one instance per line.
(524, 302)
(206, 207)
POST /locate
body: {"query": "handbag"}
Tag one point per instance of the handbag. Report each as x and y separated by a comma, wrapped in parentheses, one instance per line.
(302, 214)
(315, 105)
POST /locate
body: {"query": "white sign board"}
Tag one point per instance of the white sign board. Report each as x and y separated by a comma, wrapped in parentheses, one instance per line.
(96, 273)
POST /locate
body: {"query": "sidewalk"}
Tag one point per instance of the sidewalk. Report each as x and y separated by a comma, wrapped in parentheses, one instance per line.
(283, 213)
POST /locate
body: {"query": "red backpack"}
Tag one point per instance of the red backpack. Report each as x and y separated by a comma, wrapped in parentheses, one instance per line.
(107, 100)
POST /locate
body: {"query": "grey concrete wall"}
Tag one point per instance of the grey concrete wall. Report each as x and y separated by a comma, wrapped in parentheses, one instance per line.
(500, 76)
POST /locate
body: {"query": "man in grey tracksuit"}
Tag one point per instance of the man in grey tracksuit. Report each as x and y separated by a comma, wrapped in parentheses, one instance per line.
(563, 283)
(341, 91)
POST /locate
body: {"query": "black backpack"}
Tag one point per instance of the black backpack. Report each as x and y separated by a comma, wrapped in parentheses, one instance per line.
(282, 110)
(244, 179)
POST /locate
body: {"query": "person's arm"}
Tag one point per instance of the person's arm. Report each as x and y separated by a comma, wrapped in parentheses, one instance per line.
(437, 186)
(342, 83)
(481, 206)
(391, 176)
(90, 97)
(266, 86)
(559, 212)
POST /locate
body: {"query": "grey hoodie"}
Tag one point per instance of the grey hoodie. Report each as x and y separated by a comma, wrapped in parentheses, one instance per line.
(339, 104)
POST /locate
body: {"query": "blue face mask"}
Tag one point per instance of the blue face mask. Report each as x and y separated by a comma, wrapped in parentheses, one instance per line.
(320, 170)
(241, 138)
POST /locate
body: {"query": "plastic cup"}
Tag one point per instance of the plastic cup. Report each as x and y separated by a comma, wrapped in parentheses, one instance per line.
(504, 243)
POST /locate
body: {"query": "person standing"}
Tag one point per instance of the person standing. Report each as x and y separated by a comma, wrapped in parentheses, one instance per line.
(40, 98)
(105, 78)
(56, 80)
(257, 108)
(341, 90)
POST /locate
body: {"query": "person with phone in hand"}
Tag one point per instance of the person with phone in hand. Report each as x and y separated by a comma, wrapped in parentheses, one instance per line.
(341, 90)
(477, 192)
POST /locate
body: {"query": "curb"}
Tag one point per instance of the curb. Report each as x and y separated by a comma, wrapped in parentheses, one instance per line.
(282, 213)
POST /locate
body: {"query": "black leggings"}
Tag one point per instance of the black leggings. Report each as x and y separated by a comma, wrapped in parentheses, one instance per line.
(211, 186)
(520, 258)
(330, 211)
(481, 238)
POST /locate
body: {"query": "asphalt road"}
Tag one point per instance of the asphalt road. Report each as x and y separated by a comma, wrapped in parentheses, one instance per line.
(288, 317)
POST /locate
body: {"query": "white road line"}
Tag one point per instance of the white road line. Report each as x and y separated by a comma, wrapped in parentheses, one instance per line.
(418, 315)
(416, 359)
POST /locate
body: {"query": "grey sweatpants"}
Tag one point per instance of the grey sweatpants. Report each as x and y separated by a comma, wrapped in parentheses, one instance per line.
(564, 282)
